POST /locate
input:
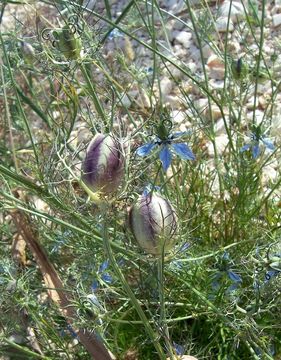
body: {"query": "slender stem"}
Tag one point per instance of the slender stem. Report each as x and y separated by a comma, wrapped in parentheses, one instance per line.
(24, 350)
(93, 94)
(151, 333)
(163, 322)
(259, 58)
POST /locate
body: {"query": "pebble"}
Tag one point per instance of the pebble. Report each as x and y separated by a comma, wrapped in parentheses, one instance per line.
(166, 86)
(216, 67)
(276, 125)
(221, 144)
(276, 20)
(207, 51)
(178, 117)
(269, 174)
(216, 113)
(184, 38)
(220, 126)
(237, 12)
(221, 24)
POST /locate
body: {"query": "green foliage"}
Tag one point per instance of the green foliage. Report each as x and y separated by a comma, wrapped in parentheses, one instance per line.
(217, 294)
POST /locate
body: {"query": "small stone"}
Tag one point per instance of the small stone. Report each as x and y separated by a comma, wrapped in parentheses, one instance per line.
(17, 338)
(207, 51)
(269, 174)
(216, 84)
(216, 67)
(173, 100)
(237, 12)
(276, 125)
(221, 144)
(125, 101)
(195, 53)
(220, 126)
(221, 24)
(185, 357)
(184, 38)
(259, 116)
(166, 86)
(251, 103)
(179, 51)
(178, 116)
(276, 19)
(201, 104)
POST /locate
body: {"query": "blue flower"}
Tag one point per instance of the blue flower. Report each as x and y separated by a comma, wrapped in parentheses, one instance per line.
(105, 276)
(115, 33)
(257, 138)
(168, 146)
(178, 348)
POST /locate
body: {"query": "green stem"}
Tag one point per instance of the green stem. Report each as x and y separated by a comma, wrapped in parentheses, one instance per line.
(93, 93)
(27, 352)
(259, 58)
(163, 322)
(151, 333)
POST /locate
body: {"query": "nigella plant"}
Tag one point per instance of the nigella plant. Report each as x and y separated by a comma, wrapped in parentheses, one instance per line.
(257, 140)
(167, 144)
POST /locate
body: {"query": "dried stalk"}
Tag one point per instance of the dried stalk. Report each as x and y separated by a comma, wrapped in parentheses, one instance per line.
(55, 287)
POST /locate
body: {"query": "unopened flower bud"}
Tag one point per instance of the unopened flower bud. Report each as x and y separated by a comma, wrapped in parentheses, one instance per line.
(103, 167)
(28, 52)
(68, 43)
(153, 222)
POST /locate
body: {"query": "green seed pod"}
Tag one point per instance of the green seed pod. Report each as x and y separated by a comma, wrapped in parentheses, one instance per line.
(28, 52)
(68, 43)
(239, 69)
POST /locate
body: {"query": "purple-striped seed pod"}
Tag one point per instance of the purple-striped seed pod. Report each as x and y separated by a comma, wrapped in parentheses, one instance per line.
(104, 164)
(153, 222)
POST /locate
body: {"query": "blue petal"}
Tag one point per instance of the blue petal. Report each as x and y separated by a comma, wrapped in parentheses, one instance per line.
(103, 266)
(245, 147)
(179, 348)
(184, 247)
(144, 150)
(234, 277)
(149, 188)
(107, 278)
(269, 274)
(256, 151)
(183, 151)
(95, 285)
(268, 144)
(231, 288)
(166, 157)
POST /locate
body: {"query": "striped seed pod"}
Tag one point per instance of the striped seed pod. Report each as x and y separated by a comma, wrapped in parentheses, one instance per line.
(104, 165)
(153, 222)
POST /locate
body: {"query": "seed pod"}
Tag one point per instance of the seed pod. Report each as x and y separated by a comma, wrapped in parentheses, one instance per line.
(28, 52)
(68, 43)
(239, 69)
(153, 222)
(103, 167)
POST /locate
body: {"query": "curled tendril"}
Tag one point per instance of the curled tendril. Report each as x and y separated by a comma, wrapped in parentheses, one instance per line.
(46, 34)
(267, 276)
(259, 268)
(75, 23)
